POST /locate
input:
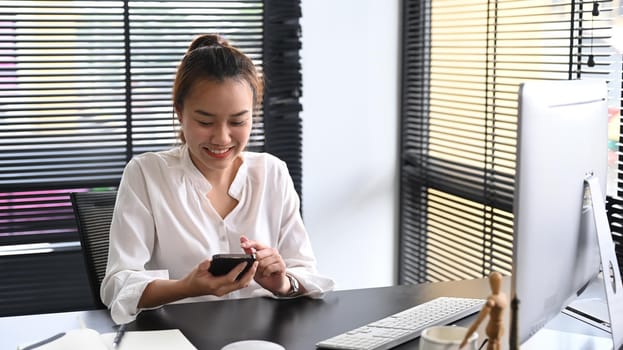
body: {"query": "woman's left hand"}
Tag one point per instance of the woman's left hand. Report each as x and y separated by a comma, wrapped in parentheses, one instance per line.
(271, 270)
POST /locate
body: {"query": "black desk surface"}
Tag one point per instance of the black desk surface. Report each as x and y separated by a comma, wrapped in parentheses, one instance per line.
(295, 323)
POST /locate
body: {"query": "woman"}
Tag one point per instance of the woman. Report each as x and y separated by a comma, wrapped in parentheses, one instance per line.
(177, 208)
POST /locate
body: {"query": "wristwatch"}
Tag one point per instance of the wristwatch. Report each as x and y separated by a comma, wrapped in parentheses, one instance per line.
(294, 286)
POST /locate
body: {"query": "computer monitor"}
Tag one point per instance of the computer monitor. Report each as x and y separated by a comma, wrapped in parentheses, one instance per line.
(562, 138)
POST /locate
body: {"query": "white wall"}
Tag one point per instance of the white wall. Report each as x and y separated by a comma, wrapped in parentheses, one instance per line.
(350, 59)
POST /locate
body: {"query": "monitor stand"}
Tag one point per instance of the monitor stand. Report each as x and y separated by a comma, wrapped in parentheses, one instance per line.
(590, 306)
(611, 274)
(610, 320)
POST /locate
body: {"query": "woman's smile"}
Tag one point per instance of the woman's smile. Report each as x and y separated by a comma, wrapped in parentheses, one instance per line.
(218, 153)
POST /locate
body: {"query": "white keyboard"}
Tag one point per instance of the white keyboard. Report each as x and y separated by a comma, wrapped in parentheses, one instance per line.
(403, 326)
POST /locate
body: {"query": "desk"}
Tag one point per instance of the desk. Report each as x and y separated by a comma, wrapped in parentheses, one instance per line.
(297, 324)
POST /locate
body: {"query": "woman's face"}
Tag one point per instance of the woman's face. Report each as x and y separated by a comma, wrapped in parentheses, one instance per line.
(216, 119)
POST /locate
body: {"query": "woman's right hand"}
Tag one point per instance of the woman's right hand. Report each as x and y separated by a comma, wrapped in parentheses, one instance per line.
(201, 282)
(197, 283)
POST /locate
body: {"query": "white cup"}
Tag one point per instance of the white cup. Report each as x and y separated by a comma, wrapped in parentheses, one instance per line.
(446, 338)
(253, 345)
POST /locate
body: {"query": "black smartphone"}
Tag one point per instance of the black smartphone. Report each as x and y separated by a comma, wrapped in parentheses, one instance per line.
(223, 263)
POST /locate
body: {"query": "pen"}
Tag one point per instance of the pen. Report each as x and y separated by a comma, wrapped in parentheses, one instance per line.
(118, 336)
(44, 341)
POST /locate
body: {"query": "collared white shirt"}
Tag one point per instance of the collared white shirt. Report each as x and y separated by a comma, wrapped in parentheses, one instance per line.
(164, 225)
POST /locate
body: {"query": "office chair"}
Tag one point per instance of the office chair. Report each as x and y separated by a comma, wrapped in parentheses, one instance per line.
(93, 212)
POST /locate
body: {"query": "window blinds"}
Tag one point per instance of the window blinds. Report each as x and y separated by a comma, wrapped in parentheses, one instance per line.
(462, 65)
(85, 85)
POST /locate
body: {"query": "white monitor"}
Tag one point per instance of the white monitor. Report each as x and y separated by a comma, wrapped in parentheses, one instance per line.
(562, 138)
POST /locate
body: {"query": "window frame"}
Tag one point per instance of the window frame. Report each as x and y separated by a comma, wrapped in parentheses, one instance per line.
(438, 196)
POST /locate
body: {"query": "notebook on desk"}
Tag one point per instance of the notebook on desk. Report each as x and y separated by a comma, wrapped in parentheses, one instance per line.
(86, 338)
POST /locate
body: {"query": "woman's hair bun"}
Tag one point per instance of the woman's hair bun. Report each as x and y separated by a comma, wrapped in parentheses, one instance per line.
(208, 40)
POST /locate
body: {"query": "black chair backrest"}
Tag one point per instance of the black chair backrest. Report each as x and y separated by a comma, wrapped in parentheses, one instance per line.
(93, 212)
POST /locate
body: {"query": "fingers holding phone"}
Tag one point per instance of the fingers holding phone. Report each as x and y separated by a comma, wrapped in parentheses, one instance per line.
(228, 278)
(235, 270)
(222, 264)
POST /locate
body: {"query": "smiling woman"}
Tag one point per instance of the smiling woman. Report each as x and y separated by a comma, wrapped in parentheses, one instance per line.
(216, 121)
(177, 208)
(214, 103)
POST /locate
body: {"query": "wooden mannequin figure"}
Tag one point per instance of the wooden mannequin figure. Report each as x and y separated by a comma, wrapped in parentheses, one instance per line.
(494, 307)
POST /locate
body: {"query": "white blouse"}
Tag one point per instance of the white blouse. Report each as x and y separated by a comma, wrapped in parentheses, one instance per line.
(164, 225)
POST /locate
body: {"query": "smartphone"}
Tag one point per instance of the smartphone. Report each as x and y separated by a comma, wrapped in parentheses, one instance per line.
(223, 263)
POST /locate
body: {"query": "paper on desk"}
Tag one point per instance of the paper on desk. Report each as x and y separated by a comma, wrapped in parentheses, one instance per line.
(85, 338)
(151, 340)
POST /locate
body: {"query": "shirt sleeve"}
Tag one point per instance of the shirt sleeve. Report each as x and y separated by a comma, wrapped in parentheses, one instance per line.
(294, 244)
(132, 235)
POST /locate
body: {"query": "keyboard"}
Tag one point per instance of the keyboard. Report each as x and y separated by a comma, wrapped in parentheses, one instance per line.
(403, 326)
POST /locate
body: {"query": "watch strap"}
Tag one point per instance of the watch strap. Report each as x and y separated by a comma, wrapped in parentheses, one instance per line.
(294, 285)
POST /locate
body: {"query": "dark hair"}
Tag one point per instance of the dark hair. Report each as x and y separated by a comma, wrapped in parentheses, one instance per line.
(211, 57)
